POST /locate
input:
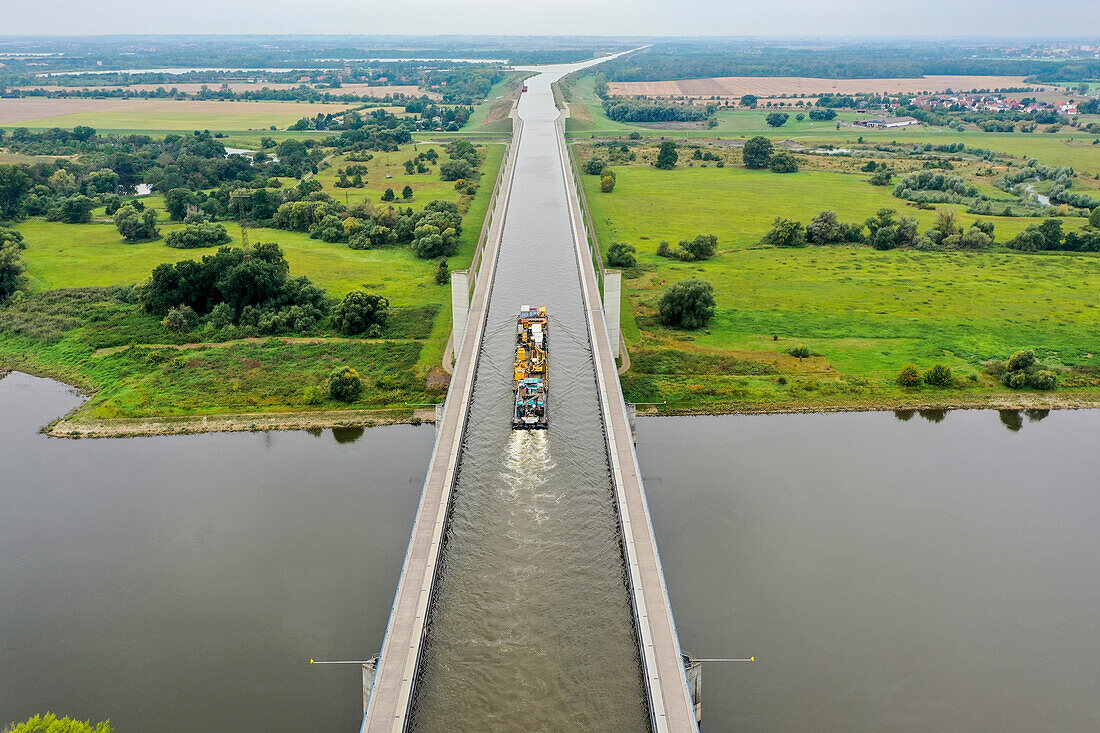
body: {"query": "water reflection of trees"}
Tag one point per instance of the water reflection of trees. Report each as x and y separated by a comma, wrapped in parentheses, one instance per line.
(347, 435)
(1012, 419)
(929, 415)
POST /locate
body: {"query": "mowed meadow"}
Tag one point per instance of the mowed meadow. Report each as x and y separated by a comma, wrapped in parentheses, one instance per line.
(861, 312)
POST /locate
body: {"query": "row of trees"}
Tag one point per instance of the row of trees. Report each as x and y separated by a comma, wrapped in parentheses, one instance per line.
(885, 230)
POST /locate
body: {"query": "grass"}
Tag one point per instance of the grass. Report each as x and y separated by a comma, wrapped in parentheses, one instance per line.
(57, 331)
(863, 313)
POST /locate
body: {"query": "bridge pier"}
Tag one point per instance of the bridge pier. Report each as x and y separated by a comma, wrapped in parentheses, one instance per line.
(612, 298)
(460, 305)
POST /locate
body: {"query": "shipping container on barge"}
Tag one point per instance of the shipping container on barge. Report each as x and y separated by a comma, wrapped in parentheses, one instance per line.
(530, 385)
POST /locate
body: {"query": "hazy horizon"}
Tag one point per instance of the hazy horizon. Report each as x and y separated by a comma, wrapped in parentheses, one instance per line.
(931, 19)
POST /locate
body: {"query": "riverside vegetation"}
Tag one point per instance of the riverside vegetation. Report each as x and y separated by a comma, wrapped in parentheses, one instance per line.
(105, 290)
(834, 291)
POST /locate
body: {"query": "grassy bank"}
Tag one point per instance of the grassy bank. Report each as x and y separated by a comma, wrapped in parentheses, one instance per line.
(78, 325)
(861, 313)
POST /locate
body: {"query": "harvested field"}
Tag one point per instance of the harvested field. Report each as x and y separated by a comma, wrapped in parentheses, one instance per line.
(155, 114)
(240, 86)
(786, 86)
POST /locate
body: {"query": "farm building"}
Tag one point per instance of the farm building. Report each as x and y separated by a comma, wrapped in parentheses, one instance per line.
(886, 123)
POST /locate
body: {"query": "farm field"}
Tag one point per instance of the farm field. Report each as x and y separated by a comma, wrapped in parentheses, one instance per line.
(861, 312)
(239, 86)
(155, 114)
(790, 86)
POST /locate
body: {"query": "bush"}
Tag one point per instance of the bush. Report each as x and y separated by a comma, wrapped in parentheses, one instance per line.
(344, 384)
(442, 273)
(595, 166)
(135, 227)
(11, 266)
(50, 723)
(358, 311)
(799, 352)
(388, 195)
(909, 376)
(882, 177)
(407, 192)
(783, 162)
(667, 155)
(1021, 361)
(197, 235)
(1042, 379)
(940, 376)
(757, 152)
(1094, 218)
(687, 304)
(607, 184)
(690, 250)
(621, 254)
(179, 319)
(785, 233)
(452, 170)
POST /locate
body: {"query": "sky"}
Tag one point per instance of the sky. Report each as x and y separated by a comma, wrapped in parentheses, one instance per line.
(1012, 18)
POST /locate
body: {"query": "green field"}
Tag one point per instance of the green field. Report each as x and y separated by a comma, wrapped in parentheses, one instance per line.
(862, 312)
(268, 375)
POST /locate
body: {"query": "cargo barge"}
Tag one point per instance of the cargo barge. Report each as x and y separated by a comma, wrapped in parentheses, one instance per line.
(530, 383)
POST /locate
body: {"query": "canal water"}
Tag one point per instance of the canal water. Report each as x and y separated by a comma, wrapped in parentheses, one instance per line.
(532, 627)
(183, 583)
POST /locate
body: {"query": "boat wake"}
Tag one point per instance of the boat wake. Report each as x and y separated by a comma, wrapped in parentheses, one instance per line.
(527, 468)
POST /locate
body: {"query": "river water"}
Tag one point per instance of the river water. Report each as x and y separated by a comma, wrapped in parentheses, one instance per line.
(936, 572)
(532, 627)
(183, 583)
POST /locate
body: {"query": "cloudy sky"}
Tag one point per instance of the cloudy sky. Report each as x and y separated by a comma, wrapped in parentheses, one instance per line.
(1017, 18)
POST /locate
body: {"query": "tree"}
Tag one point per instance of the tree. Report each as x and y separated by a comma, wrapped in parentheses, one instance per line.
(702, 247)
(344, 384)
(442, 273)
(785, 233)
(687, 304)
(50, 723)
(11, 268)
(62, 182)
(1094, 218)
(939, 376)
(667, 155)
(180, 319)
(198, 235)
(975, 239)
(825, 228)
(76, 209)
(455, 169)
(177, 201)
(621, 254)
(822, 114)
(783, 162)
(909, 376)
(749, 100)
(293, 154)
(388, 195)
(358, 311)
(883, 176)
(607, 184)
(777, 119)
(15, 185)
(135, 227)
(595, 165)
(407, 192)
(757, 152)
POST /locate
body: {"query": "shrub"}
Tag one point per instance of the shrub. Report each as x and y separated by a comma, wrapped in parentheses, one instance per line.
(1021, 361)
(799, 352)
(882, 177)
(1014, 380)
(621, 254)
(407, 192)
(785, 233)
(312, 395)
(452, 170)
(442, 273)
(358, 311)
(11, 266)
(783, 162)
(1094, 218)
(667, 155)
(50, 723)
(940, 376)
(197, 235)
(388, 195)
(1042, 379)
(136, 227)
(909, 376)
(607, 184)
(635, 135)
(179, 319)
(687, 304)
(344, 384)
(595, 166)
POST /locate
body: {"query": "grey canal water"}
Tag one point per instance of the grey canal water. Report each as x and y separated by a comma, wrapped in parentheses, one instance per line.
(532, 628)
(937, 573)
